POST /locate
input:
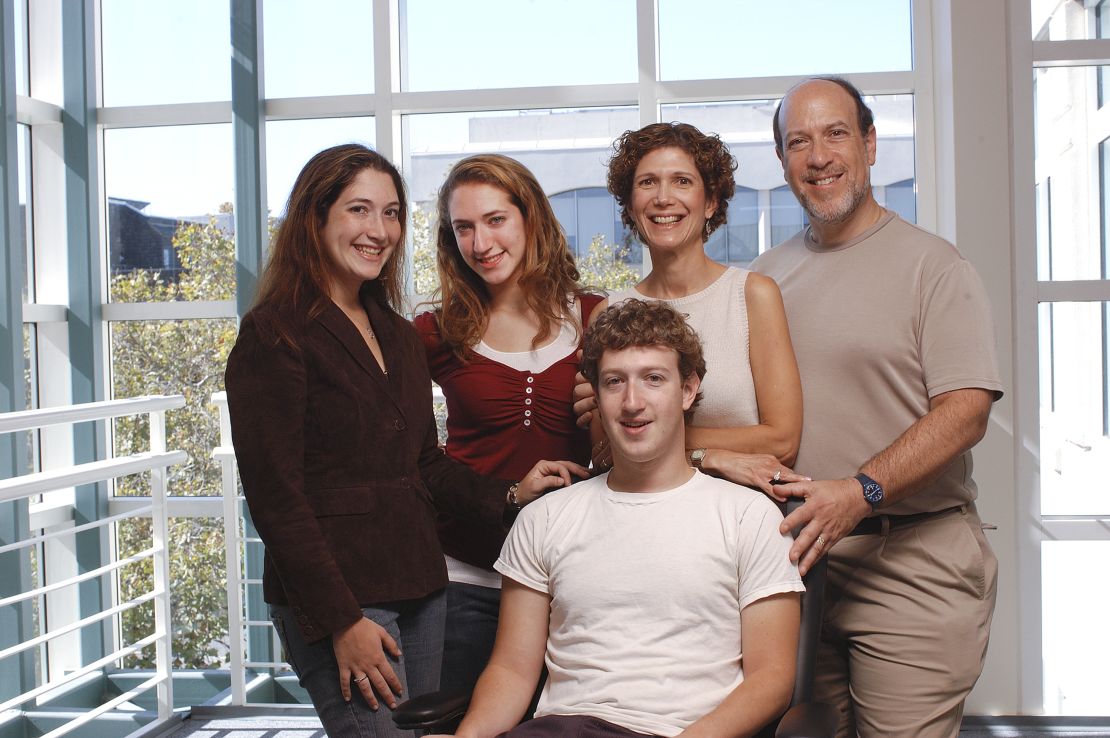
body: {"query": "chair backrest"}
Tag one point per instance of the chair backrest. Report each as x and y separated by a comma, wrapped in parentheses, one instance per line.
(810, 634)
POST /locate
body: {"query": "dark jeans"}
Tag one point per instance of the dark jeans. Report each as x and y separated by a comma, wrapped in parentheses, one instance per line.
(468, 640)
(570, 726)
(416, 625)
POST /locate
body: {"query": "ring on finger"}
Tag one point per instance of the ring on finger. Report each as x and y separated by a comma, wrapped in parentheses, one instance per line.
(820, 541)
(361, 678)
(777, 477)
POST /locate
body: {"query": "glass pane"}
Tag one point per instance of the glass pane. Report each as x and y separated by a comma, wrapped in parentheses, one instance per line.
(590, 214)
(320, 66)
(1053, 20)
(30, 379)
(172, 357)
(746, 128)
(787, 216)
(1070, 155)
(1076, 642)
(451, 45)
(1075, 449)
(291, 143)
(762, 41)
(23, 170)
(199, 577)
(737, 243)
(567, 151)
(165, 52)
(22, 83)
(1102, 30)
(169, 211)
(900, 198)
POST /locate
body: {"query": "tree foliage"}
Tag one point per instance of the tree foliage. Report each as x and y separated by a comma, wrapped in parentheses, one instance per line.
(605, 266)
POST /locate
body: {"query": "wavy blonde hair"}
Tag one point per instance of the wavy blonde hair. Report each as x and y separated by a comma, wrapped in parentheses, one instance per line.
(548, 274)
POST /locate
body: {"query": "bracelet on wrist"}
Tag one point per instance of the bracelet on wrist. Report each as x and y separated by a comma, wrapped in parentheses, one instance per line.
(511, 498)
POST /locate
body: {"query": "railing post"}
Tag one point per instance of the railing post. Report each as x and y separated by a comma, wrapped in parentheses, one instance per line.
(235, 635)
(163, 622)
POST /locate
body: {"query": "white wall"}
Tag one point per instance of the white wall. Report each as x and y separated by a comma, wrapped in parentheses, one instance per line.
(974, 181)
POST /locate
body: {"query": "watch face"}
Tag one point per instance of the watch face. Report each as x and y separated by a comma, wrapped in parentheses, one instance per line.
(872, 490)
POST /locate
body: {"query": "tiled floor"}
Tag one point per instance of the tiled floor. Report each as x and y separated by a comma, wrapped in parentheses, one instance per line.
(203, 724)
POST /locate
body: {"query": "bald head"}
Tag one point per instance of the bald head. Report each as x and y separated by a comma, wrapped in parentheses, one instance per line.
(865, 119)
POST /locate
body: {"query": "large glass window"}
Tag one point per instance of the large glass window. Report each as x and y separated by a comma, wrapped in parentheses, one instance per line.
(1070, 145)
(450, 45)
(291, 143)
(1064, 20)
(1076, 641)
(164, 187)
(1075, 448)
(764, 39)
(304, 53)
(159, 52)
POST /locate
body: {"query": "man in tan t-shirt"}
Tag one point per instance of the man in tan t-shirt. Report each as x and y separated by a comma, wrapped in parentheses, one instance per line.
(895, 346)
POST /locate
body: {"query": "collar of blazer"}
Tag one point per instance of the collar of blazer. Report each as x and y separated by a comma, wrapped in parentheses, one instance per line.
(344, 331)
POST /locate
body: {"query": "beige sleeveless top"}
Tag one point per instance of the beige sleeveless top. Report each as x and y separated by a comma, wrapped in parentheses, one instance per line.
(720, 316)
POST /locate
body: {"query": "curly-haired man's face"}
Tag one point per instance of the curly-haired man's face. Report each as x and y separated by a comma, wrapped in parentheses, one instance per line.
(669, 204)
(642, 397)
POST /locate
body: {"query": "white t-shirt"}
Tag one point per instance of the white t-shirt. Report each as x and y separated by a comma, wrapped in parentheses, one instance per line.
(646, 592)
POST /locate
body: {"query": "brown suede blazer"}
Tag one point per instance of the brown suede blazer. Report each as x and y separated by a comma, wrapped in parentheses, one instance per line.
(340, 464)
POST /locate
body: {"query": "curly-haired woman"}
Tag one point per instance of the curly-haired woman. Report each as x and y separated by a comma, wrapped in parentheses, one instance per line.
(673, 184)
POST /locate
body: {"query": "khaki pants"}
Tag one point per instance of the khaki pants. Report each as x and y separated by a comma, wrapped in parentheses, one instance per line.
(907, 616)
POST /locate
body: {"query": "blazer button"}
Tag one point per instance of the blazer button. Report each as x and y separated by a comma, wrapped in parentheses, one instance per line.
(398, 424)
(302, 619)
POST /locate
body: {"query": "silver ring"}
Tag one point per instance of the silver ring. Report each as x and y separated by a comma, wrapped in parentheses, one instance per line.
(361, 678)
(777, 477)
(820, 541)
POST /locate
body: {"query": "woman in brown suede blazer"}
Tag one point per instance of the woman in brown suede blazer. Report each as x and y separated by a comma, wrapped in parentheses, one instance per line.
(331, 416)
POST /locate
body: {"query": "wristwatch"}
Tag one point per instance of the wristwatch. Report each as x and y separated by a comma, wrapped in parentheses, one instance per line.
(696, 457)
(872, 490)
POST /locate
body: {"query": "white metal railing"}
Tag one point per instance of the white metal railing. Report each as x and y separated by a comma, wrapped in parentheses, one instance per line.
(235, 539)
(156, 461)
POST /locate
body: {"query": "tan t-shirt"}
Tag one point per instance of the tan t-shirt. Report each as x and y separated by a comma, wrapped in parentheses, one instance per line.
(880, 325)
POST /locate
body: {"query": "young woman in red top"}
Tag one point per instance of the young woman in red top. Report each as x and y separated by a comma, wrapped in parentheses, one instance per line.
(502, 345)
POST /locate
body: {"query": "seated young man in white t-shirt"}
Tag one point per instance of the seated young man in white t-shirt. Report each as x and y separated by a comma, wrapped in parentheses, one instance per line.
(662, 599)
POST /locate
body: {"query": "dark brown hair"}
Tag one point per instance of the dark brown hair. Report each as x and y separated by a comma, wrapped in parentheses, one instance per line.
(548, 275)
(295, 280)
(636, 322)
(710, 154)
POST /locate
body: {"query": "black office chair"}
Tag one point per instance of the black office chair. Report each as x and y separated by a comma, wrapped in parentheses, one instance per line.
(440, 712)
